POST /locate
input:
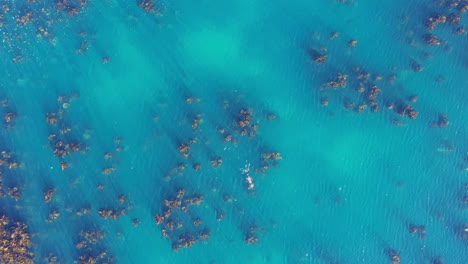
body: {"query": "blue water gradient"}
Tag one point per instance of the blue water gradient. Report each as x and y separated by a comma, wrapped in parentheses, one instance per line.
(349, 185)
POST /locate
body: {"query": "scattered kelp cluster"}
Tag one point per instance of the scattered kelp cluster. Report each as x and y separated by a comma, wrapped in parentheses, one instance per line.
(9, 184)
(15, 244)
(151, 6)
(178, 217)
(69, 142)
(35, 18)
(361, 90)
(21, 21)
(379, 91)
(171, 220)
(215, 157)
(61, 138)
(451, 13)
(89, 248)
(9, 114)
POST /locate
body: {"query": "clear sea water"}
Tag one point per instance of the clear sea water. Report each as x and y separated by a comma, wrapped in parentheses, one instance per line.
(349, 184)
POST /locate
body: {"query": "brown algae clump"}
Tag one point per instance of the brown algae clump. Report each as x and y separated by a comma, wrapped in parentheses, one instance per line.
(15, 246)
(339, 82)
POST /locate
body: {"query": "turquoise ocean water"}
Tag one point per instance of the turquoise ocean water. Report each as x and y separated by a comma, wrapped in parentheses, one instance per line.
(348, 185)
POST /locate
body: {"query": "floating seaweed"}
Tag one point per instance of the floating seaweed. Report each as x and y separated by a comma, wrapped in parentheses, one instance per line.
(16, 242)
